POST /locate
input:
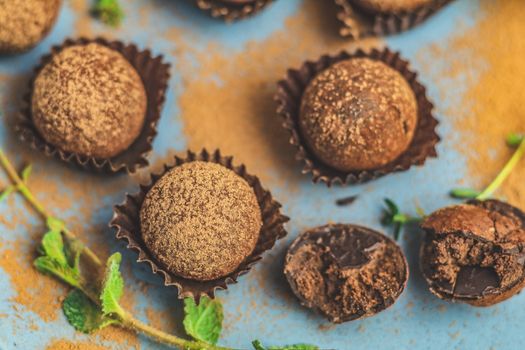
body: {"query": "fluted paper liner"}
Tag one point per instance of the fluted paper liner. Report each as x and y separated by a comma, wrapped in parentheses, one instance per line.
(126, 220)
(230, 11)
(288, 97)
(154, 73)
(356, 23)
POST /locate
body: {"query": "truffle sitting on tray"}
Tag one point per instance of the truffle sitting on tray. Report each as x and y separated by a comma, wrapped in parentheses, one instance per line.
(346, 272)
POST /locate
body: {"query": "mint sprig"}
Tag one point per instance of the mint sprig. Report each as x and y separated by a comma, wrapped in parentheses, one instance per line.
(516, 141)
(204, 321)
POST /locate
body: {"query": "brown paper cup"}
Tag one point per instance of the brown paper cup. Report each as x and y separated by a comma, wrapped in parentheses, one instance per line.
(288, 97)
(155, 75)
(232, 10)
(126, 220)
(356, 23)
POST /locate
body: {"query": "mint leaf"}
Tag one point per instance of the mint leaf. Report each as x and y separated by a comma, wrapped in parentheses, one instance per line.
(27, 172)
(46, 265)
(109, 11)
(55, 224)
(112, 287)
(514, 140)
(53, 247)
(258, 346)
(84, 315)
(204, 321)
(7, 192)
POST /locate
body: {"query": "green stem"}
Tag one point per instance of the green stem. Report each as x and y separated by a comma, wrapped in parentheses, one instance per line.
(130, 322)
(505, 172)
(21, 187)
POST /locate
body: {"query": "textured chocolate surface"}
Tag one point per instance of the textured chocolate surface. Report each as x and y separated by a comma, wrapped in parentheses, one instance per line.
(200, 220)
(24, 23)
(475, 252)
(345, 272)
(89, 100)
(358, 114)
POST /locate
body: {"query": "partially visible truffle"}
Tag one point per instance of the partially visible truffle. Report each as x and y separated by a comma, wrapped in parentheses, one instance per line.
(24, 23)
(390, 6)
(200, 220)
(358, 114)
(89, 100)
(475, 252)
(346, 272)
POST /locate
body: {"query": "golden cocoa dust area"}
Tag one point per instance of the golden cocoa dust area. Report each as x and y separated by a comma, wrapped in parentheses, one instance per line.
(490, 58)
(226, 102)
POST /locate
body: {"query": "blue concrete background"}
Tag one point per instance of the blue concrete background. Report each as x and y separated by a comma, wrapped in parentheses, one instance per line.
(267, 310)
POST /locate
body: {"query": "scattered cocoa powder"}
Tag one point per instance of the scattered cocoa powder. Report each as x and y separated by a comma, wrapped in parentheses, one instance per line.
(228, 103)
(488, 60)
(68, 345)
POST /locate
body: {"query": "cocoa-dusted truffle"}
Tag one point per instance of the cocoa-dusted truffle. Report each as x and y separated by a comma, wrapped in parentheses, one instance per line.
(475, 252)
(391, 6)
(346, 272)
(200, 220)
(89, 100)
(358, 114)
(24, 23)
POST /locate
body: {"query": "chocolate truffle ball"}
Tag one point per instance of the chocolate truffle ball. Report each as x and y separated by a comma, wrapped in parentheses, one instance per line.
(24, 23)
(358, 114)
(390, 6)
(89, 100)
(475, 252)
(200, 220)
(346, 272)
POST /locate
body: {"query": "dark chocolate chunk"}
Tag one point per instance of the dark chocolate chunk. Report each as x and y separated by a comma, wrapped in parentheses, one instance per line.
(346, 272)
(474, 252)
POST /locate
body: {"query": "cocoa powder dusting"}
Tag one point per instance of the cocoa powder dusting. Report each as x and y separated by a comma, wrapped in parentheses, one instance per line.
(358, 114)
(200, 220)
(25, 22)
(89, 100)
(492, 105)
